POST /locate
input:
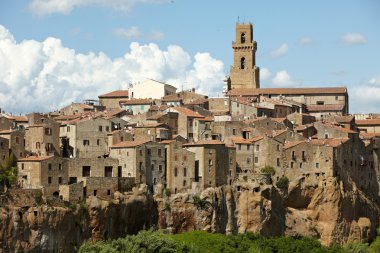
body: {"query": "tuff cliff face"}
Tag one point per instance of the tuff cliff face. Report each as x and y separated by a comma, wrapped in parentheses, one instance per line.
(322, 209)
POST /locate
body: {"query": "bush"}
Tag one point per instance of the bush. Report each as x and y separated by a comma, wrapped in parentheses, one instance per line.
(283, 183)
(200, 203)
(268, 170)
(167, 192)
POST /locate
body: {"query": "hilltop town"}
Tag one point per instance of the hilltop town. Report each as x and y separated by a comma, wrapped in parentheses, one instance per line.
(165, 140)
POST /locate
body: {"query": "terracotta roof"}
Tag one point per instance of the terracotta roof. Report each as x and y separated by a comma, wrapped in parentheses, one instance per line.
(344, 119)
(167, 141)
(5, 131)
(198, 101)
(204, 142)
(278, 120)
(369, 135)
(34, 158)
(292, 144)
(240, 140)
(20, 118)
(303, 127)
(187, 112)
(287, 91)
(114, 112)
(115, 94)
(67, 117)
(328, 142)
(242, 100)
(158, 107)
(346, 130)
(136, 102)
(206, 119)
(220, 112)
(365, 122)
(278, 132)
(256, 138)
(129, 144)
(248, 129)
(156, 116)
(262, 107)
(317, 108)
(276, 102)
(37, 125)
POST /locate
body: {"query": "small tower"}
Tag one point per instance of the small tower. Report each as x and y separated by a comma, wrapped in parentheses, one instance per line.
(244, 73)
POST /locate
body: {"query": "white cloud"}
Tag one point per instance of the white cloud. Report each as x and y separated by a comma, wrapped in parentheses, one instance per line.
(282, 78)
(375, 81)
(305, 41)
(279, 52)
(47, 7)
(354, 39)
(265, 73)
(43, 76)
(364, 98)
(134, 33)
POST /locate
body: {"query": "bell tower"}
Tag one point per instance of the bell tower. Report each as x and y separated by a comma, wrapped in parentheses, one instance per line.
(244, 73)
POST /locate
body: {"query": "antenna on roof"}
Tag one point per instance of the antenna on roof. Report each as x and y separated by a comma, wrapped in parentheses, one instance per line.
(238, 20)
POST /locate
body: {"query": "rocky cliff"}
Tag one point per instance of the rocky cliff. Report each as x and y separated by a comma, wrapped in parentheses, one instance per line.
(321, 209)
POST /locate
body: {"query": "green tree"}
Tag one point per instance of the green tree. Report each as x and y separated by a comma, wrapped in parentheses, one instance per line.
(268, 170)
(8, 171)
(283, 183)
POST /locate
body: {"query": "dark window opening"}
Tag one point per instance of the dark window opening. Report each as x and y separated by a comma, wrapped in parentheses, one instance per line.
(242, 63)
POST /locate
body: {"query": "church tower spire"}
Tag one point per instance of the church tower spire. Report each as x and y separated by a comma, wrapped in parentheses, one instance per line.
(244, 73)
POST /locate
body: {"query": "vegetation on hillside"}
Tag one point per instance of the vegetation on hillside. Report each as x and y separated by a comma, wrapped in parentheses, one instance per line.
(203, 242)
(8, 171)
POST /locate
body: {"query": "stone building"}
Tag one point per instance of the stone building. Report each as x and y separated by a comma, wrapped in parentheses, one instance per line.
(16, 141)
(212, 163)
(42, 139)
(86, 137)
(186, 118)
(301, 118)
(169, 118)
(76, 108)
(267, 151)
(152, 132)
(112, 99)
(43, 172)
(180, 169)
(4, 149)
(244, 73)
(244, 155)
(368, 125)
(223, 130)
(136, 106)
(143, 160)
(151, 89)
(326, 131)
(118, 136)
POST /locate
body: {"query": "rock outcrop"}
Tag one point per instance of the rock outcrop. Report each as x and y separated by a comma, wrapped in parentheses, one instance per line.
(321, 209)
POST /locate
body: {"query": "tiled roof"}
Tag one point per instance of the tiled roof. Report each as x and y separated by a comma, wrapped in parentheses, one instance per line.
(206, 119)
(344, 119)
(279, 120)
(34, 158)
(220, 112)
(204, 142)
(167, 141)
(240, 140)
(365, 122)
(328, 142)
(156, 116)
(323, 108)
(116, 94)
(129, 144)
(242, 100)
(287, 91)
(67, 117)
(20, 118)
(198, 101)
(136, 102)
(256, 138)
(292, 144)
(303, 127)
(158, 107)
(187, 112)
(346, 130)
(5, 131)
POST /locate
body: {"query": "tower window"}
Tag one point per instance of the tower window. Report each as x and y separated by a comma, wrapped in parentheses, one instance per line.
(242, 63)
(242, 38)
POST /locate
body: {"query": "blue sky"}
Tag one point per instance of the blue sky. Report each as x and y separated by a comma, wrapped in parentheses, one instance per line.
(71, 50)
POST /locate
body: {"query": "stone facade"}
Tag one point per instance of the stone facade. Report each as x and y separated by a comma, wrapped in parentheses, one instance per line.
(42, 139)
(244, 73)
(16, 140)
(45, 173)
(4, 149)
(151, 89)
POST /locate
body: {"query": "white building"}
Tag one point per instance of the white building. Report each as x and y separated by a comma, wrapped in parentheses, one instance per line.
(151, 89)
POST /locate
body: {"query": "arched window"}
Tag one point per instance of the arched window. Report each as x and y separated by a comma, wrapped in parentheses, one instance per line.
(242, 63)
(242, 38)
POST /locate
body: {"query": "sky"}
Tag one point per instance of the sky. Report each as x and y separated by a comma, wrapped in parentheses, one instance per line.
(54, 52)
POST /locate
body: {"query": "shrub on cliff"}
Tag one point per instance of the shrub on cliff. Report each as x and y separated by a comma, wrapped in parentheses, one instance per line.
(8, 171)
(268, 170)
(283, 183)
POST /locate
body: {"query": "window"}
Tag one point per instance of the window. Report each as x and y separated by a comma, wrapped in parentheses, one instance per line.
(210, 162)
(160, 168)
(49, 180)
(152, 167)
(248, 147)
(293, 155)
(278, 162)
(86, 143)
(326, 135)
(210, 151)
(242, 38)
(278, 147)
(149, 152)
(291, 165)
(140, 166)
(98, 142)
(248, 160)
(242, 63)
(256, 159)
(159, 153)
(300, 165)
(320, 102)
(184, 182)
(22, 166)
(59, 166)
(184, 172)
(68, 128)
(119, 171)
(86, 170)
(95, 192)
(317, 165)
(100, 128)
(185, 158)
(108, 171)
(303, 155)
(175, 158)
(239, 146)
(175, 171)
(257, 147)
(336, 97)
(17, 140)
(234, 131)
(59, 180)
(50, 166)
(48, 131)
(107, 128)
(141, 152)
(108, 192)
(38, 145)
